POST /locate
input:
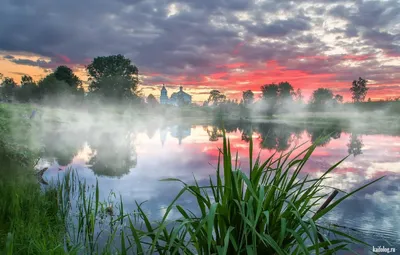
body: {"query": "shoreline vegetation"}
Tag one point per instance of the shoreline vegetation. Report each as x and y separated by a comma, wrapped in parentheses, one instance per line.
(271, 210)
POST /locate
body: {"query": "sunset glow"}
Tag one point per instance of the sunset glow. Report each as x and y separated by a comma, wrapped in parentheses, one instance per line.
(229, 46)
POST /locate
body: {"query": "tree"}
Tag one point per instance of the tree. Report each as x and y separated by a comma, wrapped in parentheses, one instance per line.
(299, 96)
(64, 73)
(270, 93)
(8, 87)
(26, 79)
(28, 90)
(339, 98)
(285, 97)
(359, 90)
(51, 86)
(216, 97)
(248, 97)
(113, 77)
(151, 100)
(286, 91)
(321, 98)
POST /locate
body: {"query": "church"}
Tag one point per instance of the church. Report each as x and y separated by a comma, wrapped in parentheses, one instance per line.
(177, 98)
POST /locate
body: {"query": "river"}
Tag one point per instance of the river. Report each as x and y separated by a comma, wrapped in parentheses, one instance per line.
(131, 163)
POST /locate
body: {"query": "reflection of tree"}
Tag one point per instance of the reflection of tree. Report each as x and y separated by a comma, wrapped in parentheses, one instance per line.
(62, 145)
(247, 132)
(114, 154)
(324, 134)
(355, 144)
(277, 136)
(214, 133)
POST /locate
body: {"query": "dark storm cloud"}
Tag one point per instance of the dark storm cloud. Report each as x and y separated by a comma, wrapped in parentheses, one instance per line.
(369, 14)
(384, 41)
(28, 62)
(281, 27)
(203, 35)
(8, 57)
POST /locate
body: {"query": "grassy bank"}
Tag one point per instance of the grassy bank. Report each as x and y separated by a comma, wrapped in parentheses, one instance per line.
(273, 210)
(28, 216)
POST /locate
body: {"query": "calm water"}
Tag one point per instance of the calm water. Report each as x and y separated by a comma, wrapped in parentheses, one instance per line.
(131, 163)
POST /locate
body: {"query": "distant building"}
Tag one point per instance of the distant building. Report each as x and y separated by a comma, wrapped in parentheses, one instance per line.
(164, 96)
(177, 98)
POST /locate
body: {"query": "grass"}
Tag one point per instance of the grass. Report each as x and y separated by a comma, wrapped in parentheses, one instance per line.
(271, 210)
(268, 212)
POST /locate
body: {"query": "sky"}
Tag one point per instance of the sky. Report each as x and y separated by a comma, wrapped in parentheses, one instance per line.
(229, 45)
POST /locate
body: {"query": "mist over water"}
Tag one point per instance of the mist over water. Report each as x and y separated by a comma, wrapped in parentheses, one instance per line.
(130, 159)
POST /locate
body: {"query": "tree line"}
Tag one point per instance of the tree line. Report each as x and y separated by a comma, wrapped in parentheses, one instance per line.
(111, 78)
(282, 97)
(115, 79)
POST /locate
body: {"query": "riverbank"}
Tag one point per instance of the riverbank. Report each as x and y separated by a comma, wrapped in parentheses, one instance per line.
(230, 219)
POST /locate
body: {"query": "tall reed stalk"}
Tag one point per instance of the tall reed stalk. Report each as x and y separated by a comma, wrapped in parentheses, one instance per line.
(270, 211)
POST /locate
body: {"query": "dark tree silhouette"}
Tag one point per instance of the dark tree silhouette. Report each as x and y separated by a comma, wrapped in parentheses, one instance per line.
(286, 92)
(299, 96)
(113, 77)
(321, 99)
(28, 91)
(49, 85)
(359, 90)
(270, 93)
(64, 73)
(216, 97)
(248, 97)
(339, 98)
(7, 88)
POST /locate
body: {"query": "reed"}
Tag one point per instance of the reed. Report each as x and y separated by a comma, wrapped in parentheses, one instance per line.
(270, 211)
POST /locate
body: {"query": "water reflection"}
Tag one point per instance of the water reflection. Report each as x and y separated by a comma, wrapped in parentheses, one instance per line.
(355, 144)
(62, 145)
(143, 156)
(114, 153)
(324, 134)
(180, 132)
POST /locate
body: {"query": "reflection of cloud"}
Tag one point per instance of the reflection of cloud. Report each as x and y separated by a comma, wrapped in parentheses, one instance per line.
(382, 167)
(374, 210)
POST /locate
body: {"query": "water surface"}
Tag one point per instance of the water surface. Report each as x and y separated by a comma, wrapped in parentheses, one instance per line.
(131, 162)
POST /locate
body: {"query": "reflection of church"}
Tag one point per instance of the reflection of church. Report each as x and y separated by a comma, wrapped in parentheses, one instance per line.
(179, 131)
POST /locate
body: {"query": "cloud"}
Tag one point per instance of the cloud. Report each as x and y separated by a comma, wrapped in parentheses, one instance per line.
(8, 57)
(281, 28)
(189, 41)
